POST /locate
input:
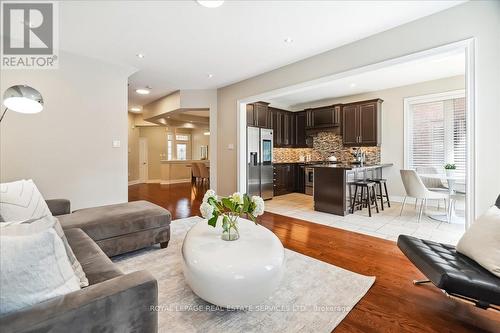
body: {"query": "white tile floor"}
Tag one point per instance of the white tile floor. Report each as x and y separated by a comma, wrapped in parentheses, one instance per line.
(387, 224)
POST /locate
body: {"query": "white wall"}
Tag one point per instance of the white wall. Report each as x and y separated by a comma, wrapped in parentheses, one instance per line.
(478, 19)
(392, 148)
(67, 148)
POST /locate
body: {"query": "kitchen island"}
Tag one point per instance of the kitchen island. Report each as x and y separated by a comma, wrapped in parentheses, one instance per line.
(330, 184)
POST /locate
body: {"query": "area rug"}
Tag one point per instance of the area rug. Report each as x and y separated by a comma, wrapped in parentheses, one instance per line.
(313, 297)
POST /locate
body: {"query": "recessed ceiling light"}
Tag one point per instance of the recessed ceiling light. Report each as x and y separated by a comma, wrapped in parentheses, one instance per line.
(210, 76)
(135, 109)
(140, 55)
(352, 85)
(210, 3)
(288, 40)
(143, 91)
(206, 133)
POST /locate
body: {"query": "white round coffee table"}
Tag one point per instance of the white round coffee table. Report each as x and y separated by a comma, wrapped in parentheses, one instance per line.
(233, 274)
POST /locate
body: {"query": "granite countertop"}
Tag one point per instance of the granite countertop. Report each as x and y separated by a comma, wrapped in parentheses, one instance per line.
(353, 166)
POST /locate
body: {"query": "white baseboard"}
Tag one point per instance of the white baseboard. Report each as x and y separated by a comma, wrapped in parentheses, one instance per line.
(159, 181)
(175, 181)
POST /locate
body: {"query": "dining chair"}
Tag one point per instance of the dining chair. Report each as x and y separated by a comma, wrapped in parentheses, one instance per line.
(195, 172)
(204, 171)
(415, 188)
(432, 184)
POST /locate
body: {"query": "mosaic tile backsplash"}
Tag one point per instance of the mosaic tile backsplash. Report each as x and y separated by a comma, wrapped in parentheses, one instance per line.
(325, 144)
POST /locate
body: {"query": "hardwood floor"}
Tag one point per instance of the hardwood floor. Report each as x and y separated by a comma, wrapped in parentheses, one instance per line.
(393, 304)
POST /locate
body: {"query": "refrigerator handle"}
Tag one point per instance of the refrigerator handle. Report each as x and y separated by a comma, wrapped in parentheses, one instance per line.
(253, 158)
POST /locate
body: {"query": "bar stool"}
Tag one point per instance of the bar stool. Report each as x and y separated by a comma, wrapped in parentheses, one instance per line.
(367, 200)
(380, 194)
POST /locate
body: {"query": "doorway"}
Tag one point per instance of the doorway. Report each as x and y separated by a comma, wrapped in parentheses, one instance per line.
(465, 47)
(143, 160)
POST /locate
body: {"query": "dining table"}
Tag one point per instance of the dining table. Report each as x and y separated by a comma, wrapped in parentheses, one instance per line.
(452, 180)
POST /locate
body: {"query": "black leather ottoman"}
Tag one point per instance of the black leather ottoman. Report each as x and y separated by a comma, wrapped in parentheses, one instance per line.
(451, 271)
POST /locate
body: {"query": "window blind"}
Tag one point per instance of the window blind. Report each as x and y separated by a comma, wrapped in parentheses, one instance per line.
(437, 134)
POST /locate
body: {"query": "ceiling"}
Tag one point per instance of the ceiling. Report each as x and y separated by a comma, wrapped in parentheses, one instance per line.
(420, 70)
(183, 42)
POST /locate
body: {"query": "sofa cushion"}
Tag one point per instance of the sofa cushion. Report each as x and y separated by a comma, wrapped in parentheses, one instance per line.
(481, 242)
(96, 265)
(115, 220)
(34, 266)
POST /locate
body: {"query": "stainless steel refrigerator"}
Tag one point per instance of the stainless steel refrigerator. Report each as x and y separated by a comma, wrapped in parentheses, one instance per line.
(260, 162)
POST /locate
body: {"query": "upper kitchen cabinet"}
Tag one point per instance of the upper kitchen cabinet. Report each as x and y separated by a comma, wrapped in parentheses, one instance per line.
(300, 130)
(361, 123)
(283, 124)
(323, 117)
(258, 115)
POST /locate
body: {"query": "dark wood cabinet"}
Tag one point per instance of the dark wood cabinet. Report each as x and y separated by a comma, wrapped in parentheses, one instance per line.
(369, 123)
(258, 115)
(300, 130)
(288, 129)
(250, 115)
(283, 124)
(285, 178)
(350, 125)
(323, 117)
(361, 122)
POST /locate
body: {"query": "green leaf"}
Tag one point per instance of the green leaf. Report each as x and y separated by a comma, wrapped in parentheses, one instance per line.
(246, 203)
(212, 201)
(213, 220)
(228, 203)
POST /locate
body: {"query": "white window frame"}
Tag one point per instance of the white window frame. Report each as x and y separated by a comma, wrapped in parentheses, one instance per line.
(409, 101)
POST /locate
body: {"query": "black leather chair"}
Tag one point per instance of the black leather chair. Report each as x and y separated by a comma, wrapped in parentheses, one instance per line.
(457, 275)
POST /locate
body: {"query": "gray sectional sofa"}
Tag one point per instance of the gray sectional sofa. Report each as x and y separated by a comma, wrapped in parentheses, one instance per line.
(113, 301)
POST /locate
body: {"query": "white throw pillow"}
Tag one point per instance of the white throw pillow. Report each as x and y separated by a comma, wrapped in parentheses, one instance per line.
(481, 242)
(34, 265)
(21, 200)
(36, 224)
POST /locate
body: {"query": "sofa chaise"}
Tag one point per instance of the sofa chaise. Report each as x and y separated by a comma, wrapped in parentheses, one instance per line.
(117, 228)
(113, 301)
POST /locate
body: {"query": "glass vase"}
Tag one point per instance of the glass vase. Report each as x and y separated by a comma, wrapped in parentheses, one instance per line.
(231, 232)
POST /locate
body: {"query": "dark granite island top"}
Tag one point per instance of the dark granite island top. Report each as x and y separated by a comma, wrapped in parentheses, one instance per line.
(330, 184)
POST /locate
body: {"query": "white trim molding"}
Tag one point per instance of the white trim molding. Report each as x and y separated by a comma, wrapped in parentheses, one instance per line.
(134, 182)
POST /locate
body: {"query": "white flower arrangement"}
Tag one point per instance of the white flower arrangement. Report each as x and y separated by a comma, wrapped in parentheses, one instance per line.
(230, 209)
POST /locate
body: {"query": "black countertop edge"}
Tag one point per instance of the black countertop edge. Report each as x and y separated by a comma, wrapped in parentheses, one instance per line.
(353, 166)
(303, 162)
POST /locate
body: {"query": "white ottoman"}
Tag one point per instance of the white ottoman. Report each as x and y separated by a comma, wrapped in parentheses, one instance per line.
(236, 273)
